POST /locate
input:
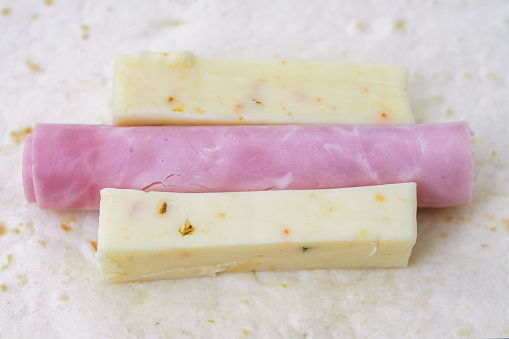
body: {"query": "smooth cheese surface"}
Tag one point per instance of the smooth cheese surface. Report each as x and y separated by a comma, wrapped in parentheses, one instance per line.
(158, 235)
(155, 88)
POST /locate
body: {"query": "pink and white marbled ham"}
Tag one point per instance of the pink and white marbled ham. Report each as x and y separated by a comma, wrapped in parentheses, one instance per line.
(65, 166)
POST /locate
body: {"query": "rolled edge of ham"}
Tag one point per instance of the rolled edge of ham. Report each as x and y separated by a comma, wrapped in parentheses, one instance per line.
(66, 166)
(28, 179)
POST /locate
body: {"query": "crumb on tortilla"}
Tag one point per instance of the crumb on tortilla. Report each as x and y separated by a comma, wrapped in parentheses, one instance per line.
(464, 332)
(3, 229)
(65, 227)
(400, 25)
(33, 66)
(506, 222)
(86, 32)
(19, 135)
(9, 261)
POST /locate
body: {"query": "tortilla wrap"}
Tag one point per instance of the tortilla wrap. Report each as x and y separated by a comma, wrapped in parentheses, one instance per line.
(56, 66)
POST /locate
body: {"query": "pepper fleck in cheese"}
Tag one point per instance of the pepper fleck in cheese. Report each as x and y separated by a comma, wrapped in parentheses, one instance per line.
(177, 88)
(157, 235)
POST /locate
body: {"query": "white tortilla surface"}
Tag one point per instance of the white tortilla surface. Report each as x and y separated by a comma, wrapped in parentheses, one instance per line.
(56, 66)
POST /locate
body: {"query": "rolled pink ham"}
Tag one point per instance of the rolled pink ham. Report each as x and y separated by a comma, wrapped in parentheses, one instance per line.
(65, 166)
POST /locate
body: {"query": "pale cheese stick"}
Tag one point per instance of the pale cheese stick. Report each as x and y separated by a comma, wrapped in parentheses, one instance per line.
(155, 88)
(157, 235)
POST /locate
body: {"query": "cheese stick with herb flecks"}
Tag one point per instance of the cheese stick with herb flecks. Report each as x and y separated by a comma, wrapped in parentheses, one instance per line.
(158, 235)
(177, 88)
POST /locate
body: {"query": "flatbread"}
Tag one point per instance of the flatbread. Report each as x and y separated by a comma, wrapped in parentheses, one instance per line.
(57, 66)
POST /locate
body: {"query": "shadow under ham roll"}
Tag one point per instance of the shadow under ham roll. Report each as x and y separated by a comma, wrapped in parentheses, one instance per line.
(66, 166)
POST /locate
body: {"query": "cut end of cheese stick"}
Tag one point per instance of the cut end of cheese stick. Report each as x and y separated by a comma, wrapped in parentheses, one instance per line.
(177, 88)
(157, 235)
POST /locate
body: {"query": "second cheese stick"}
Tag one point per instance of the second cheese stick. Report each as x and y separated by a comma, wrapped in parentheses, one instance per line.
(178, 88)
(156, 235)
